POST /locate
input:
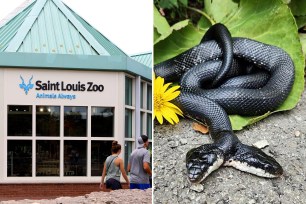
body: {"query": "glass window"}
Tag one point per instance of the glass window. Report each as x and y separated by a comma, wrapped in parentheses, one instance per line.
(47, 120)
(128, 123)
(128, 148)
(141, 94)
(149, 97)
(102, 122)
(149, 126)
(47, 158)
(150, 148)
(19, 158)
(142, 115)
(19, 120)
(128, 91)
(75, 158)
(75, 121)
(99, 151)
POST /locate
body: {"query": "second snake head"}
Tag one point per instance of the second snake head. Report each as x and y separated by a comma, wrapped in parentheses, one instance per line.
(201, 161)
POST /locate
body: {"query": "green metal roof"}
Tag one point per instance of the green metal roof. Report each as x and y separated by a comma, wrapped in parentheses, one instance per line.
(10, 28)
(46, 34)
(144, 58)
(49, 26)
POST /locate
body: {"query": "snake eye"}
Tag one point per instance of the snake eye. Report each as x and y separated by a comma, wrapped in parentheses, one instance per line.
(268, 166)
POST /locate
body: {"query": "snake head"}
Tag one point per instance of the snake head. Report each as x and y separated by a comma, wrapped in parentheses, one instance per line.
(201, 161)
(253, 160)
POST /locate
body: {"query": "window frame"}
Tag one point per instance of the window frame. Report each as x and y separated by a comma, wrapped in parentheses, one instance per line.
(143, 110)
(61, 138)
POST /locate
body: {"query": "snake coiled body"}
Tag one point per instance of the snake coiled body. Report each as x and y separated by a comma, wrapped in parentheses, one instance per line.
(257, 79)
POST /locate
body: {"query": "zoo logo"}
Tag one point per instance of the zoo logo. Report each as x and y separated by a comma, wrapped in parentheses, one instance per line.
(26, 87)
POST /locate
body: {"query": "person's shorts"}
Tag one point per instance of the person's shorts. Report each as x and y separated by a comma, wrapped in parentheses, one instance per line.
(140, 186)
(113, 184)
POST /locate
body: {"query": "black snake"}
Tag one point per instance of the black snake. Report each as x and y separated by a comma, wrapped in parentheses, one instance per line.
(221, 76)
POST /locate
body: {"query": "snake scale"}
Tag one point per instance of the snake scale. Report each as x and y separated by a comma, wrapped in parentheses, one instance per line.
(224, 75)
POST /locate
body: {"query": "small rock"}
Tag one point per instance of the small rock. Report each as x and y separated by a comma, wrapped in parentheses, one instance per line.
(261, 144)
(173, 144)
(197, 187)
(170, 139)
(174, 191)
(192, 196)
(297, 133)
(252, 201)
(183, 141)
(298, 118)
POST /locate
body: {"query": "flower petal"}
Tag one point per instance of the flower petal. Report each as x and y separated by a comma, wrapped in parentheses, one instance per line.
(159, 82)
(164, 88)
(171, 90)
(170, 115)
(163, 108)
(159, 117)
(171, 96)
(177, 110)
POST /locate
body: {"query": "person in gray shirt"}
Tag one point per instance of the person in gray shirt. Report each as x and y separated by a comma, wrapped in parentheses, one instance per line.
(139, 165)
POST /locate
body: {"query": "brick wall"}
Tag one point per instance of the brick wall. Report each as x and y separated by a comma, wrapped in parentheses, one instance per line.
(46, 191)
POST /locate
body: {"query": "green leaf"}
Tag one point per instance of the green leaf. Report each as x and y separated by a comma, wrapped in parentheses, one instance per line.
(184, 2)
(300, 21)
(267, 21)
(179, 41)
(238, 122)
(175, 27)
(220, 13)
(162, 29)
(303, 42)
(160, 23)
(168, 4)
(156, 34)
(204, 23)
(298, 7)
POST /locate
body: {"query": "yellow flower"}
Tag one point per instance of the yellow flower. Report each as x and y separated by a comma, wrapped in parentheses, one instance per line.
(163, 108)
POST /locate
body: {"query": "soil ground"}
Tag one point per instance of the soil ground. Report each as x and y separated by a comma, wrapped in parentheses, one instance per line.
(285, 133)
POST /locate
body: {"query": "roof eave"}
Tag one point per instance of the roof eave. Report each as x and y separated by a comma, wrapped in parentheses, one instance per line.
(74, 62)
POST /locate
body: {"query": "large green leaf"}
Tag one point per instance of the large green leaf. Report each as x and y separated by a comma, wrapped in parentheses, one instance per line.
(219, 13)
(268, 21)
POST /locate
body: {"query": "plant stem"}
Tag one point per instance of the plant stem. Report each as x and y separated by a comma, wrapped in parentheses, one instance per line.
(204, 14)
